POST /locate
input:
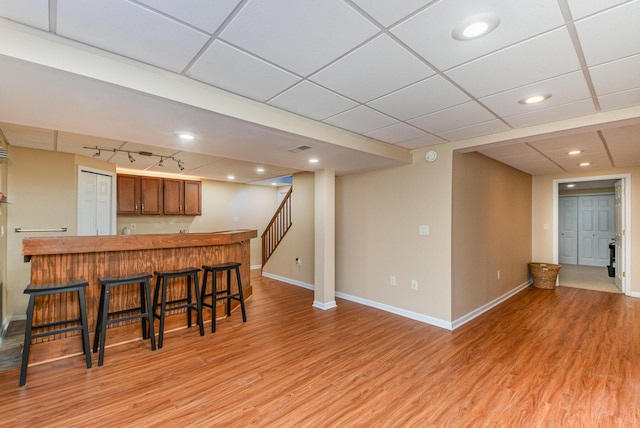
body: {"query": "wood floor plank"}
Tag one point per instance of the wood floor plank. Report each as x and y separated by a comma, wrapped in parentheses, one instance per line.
(565, 357)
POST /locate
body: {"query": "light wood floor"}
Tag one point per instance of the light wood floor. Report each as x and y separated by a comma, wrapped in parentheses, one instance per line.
(549, 358)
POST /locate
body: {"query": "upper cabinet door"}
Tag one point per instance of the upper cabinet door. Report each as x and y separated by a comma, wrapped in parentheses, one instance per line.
(151, 195)
(128, 194)
(192, 198)
(173, 196)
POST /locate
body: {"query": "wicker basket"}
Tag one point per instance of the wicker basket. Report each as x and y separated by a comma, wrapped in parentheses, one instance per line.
(544, 274)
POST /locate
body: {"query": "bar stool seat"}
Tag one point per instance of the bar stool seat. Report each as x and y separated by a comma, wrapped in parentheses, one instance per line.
(37, 290)
(224, 294)
(144, 311)
(162, 277)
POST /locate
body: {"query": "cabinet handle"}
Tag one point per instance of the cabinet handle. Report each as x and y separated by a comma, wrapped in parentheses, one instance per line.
(136, 208)
(142, 207)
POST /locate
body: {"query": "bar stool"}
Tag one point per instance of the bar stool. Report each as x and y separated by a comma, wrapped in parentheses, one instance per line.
(36, 290)
(145, 310)
(225, 294)
(191, 274)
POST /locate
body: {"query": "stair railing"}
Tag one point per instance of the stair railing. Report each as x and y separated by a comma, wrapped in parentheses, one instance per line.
(278, 227)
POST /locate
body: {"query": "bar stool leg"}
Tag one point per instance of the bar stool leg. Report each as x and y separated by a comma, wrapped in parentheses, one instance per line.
(27, 342)
(103, 322)
(96, 336)
(240, 292)
(214, 293)
(163, 307)
(85, 328)
(198, 302)
(152, 334)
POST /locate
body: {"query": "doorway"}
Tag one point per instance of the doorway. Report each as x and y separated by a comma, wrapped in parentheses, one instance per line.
(621, 232)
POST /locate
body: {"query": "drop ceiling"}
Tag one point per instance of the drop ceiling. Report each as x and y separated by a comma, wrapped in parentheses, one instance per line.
(361, 82)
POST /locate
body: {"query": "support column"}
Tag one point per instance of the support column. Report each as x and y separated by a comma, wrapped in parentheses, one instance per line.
(325, 240)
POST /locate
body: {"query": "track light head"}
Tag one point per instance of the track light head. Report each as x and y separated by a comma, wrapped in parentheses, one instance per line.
(161, 161)
(131, 159)
(97, 154)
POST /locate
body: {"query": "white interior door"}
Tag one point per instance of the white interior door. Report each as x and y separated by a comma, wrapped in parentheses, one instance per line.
(596, 222)
(568, 228)
(95, 204)
(620, 235)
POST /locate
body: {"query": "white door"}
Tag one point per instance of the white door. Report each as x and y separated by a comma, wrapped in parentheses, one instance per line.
(568, 227)
(95, 206)
(596, 222)
(620, 235)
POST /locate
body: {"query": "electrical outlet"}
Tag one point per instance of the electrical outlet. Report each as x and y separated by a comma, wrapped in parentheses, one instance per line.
(392, 280)
(414, 284)
(133, 226)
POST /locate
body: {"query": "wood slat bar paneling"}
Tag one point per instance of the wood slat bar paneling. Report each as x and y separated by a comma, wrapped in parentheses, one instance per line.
(66, 266)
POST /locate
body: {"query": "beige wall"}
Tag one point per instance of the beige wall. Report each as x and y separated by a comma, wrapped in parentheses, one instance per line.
(491, 231)
(542, 246)
(299, 241)
(42, 186)
(378, 215)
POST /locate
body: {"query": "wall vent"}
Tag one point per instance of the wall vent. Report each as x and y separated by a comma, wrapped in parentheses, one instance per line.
(299, 149)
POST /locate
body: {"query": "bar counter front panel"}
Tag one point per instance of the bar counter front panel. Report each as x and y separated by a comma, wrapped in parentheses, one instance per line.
(91, 257)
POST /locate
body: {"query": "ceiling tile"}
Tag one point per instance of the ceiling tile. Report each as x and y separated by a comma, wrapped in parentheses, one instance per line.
(429, 32)
(551, 114)
(620, 100)
(616, 76)
(563, 89)
(204, 14)
(582, 8)
(228, 68)
(537, 59)
(375, 69)
(24, 136)
(427, 96)
(455, 117)
(610, 35)
(360, 120)
(130, 30)
(623, 145)
(592, 147)
(424, 141)
(475, 130)
(325, 103)
(34, 13)
(387, 13)
(524, 158)
(396, 133)
(300, 36)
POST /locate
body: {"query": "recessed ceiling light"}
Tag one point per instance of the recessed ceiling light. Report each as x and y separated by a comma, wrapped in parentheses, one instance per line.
(313, 160)
(231, 177)
(585, 164)
(475, 26)
(534, 99)
(571, 185)
(185, 136)
(259, 169)
(574, 152)
(274, 184)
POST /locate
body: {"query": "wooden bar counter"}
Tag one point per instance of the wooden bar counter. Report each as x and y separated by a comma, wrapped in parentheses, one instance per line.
(91, 257)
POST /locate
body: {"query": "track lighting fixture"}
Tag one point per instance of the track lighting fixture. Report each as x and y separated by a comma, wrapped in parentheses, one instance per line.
(130, 154)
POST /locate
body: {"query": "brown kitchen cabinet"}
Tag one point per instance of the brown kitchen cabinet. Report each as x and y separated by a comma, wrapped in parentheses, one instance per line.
(182, 197)
(139, 195)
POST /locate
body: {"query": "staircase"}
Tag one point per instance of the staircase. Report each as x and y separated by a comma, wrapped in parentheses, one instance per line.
(277, 228)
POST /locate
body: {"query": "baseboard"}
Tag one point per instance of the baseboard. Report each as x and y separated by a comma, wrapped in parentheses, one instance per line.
(7, 321)
(254, 267)
(288, 280)
(634, 294)
(437, 322)
(492, 304)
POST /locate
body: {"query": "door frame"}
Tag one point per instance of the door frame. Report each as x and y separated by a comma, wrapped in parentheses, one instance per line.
(626, 201)
(113, 193)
